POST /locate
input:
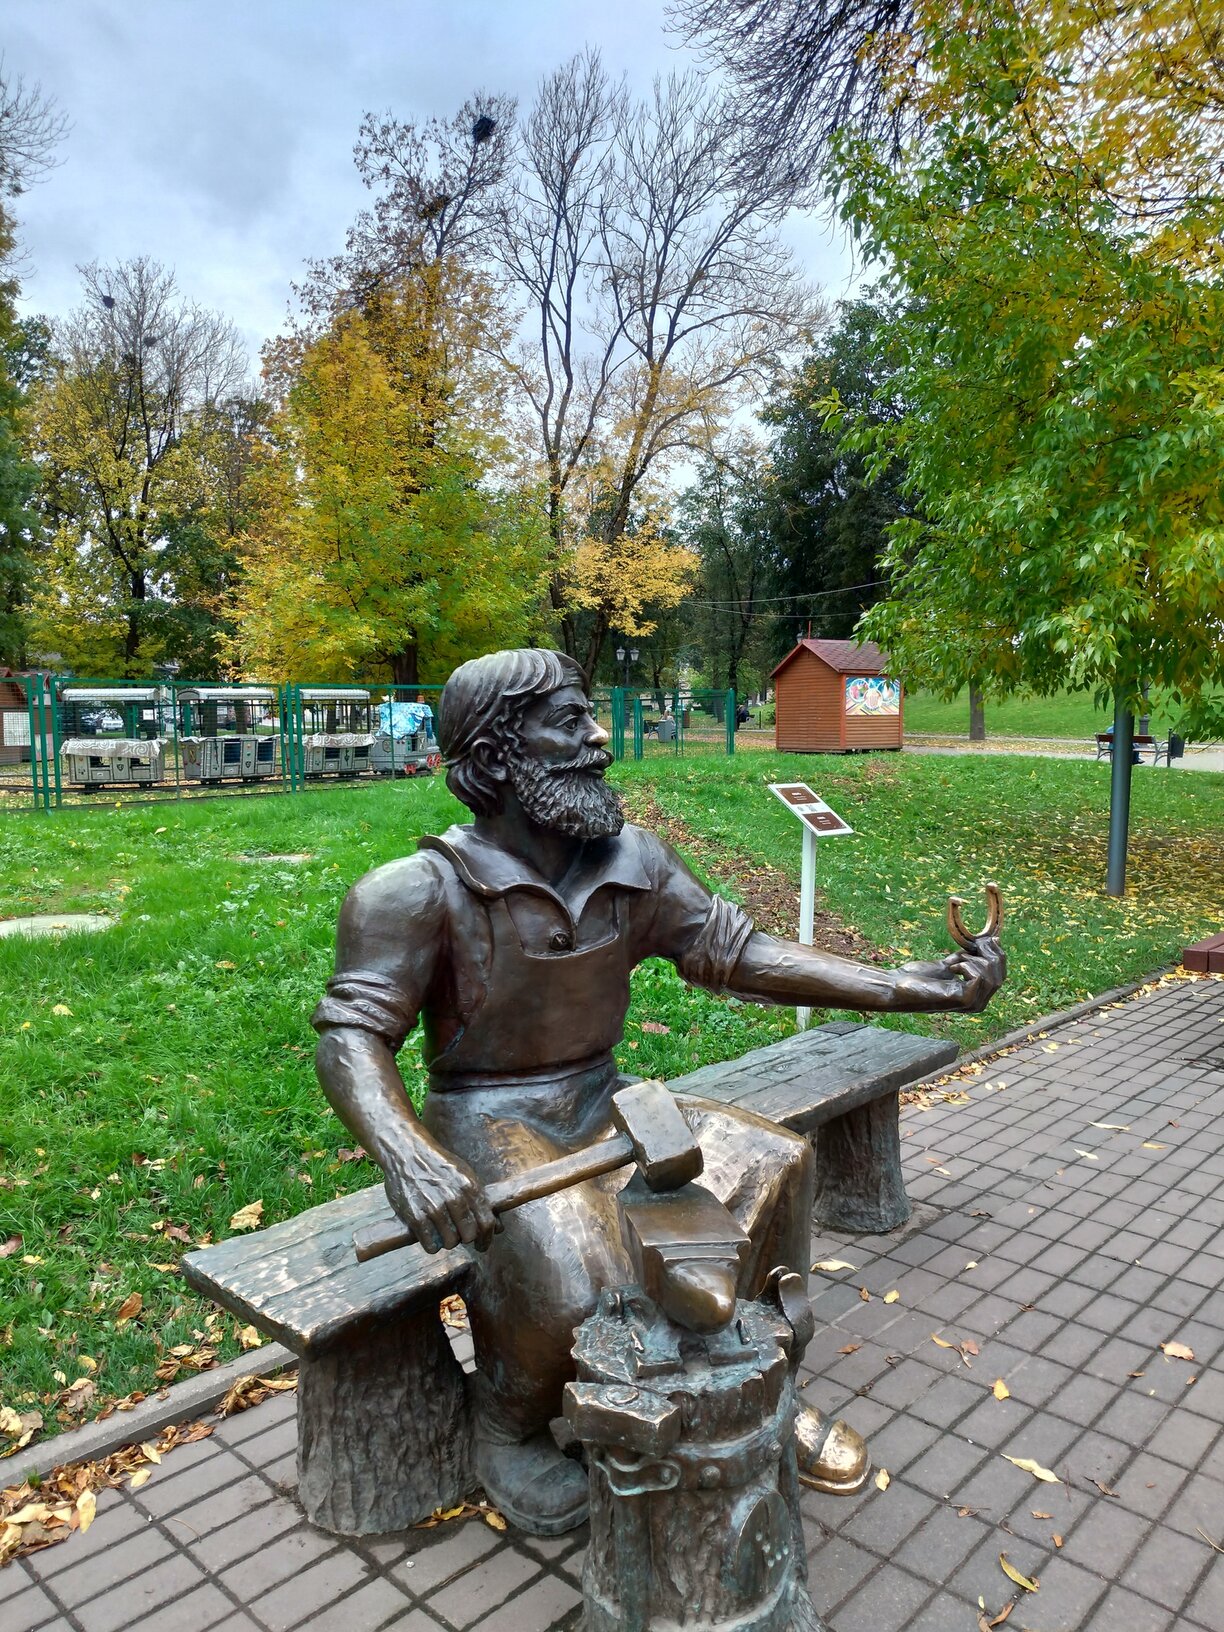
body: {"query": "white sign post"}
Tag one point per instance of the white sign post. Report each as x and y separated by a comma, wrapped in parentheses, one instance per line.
(818, 821)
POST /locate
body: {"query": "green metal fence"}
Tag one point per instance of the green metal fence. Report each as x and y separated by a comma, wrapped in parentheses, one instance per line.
(672, 720)
(73, 741)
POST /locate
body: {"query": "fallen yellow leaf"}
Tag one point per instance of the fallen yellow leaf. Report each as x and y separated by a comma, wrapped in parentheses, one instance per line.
(1027, 1465)
(492, 1518)
(248, 1217)
(1177, 1351)
(1013, 1574)
(891, 1297)
(151, 1452)
(831, 1265)
(942, 1343)
(250, 1338)
(86, 1506)
(1001, 1390)
(62, 1008)
(140, 1477)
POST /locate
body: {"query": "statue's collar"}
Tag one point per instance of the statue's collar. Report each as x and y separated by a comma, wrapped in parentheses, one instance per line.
(488, 870)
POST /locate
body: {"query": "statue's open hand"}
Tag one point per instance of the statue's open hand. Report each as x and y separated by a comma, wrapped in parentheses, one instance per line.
(438, 1196)
(966, 979)
(982, 967)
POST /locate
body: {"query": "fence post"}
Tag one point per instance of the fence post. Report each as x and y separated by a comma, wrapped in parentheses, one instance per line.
(31, 683)
(618, 722)
(637, 726)
(729, 720)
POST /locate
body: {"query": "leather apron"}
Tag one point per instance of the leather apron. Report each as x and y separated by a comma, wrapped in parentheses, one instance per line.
(493, 1104)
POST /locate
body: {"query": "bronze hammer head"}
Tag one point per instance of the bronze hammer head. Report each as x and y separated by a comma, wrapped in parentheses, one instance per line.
(666, 1152)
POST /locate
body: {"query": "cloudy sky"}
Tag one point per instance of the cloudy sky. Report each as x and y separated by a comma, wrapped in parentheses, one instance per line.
(216, 135)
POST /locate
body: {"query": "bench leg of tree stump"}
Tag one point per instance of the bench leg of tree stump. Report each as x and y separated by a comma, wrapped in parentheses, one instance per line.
(383, 1429)
(859, 1186)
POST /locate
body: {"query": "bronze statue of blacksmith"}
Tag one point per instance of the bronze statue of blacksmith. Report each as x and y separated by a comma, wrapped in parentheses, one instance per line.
(512, 939)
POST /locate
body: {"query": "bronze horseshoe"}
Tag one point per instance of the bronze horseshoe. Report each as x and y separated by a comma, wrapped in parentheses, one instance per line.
(994, 919)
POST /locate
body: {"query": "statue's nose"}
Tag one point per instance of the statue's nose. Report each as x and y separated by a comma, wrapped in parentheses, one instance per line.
(596, 736)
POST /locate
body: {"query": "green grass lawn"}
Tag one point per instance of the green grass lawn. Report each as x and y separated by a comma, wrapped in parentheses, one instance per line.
(155, 1079)
(1068, 714)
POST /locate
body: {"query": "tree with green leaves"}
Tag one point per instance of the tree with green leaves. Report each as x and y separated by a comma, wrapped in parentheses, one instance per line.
(127, 425)
(825, 513)
(1053, 246)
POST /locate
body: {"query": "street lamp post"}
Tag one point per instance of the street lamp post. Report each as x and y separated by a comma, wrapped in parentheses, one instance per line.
(625, 659)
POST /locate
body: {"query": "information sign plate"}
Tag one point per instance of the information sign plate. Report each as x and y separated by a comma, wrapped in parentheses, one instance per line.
(810, 808)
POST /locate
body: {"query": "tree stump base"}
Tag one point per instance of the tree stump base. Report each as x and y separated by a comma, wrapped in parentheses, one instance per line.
(384, 1432)
(860, 1189)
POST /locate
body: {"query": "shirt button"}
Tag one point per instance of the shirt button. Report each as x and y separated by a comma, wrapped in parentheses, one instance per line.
(561, 941)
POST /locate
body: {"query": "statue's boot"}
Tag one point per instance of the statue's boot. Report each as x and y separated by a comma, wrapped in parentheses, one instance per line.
(831, 1456)
(537, 1487)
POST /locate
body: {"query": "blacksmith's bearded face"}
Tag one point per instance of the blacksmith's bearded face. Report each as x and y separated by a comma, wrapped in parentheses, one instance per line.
(557, 767)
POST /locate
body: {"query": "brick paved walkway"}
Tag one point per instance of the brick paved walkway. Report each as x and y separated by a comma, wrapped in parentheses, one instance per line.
(1066, 1251)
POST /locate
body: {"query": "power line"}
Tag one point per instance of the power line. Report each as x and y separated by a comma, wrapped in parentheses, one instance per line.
(770, 600)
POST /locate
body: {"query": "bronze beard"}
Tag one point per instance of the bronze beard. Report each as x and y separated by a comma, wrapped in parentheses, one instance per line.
(571, 798)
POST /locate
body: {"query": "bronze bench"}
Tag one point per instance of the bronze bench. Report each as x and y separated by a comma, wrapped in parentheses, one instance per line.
(383, 1423)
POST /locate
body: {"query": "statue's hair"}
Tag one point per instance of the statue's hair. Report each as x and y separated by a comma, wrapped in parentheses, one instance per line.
(482, 704)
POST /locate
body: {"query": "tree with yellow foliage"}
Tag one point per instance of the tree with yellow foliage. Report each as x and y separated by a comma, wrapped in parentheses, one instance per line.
(388, 542)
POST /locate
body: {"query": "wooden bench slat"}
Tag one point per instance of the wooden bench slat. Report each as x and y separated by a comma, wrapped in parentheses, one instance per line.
(299, 1281)
(806, 1080)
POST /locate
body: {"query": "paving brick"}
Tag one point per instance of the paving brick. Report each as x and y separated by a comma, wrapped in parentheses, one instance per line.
(945, 1614)
(836, 1569)
(279, 1440)
(1065, 1597)
(167, 1490)
(28, 1609)
(293, 1600)
(91, 1577)
(945, 1467)
(885, 1522)
(280, 1559)
(257, 1420)
(151, 1591)
(116, 1519)
(539, 1607)
(195, 1611)
(1186, 1438)
(215, 1548)
(886, 1603)
(1120, 1609)
(1168, 1568)
(981, 1576)
(938, 1548)
(1105, 1539)
(444, 1555)
(1206, 1608)
(471, 1596)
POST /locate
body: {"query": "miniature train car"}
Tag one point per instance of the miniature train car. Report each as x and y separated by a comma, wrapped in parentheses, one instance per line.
(337, 730)
(111, 735)
(227, 733)
(405, 743)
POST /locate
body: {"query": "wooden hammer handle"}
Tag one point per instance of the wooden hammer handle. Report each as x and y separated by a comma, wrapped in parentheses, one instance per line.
(604, 1157)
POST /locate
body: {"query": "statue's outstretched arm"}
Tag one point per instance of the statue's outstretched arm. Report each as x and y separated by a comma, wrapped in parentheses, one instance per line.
(785, 972)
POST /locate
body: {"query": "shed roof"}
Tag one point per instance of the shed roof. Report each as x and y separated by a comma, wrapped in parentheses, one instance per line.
(843, 656)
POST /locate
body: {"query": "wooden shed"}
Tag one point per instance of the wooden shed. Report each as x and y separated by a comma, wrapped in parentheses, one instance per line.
(835, 697)
(14, 720)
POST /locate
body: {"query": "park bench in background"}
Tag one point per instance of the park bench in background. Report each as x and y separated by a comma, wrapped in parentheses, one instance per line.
(1170, 748)
(383, 1421)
